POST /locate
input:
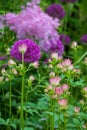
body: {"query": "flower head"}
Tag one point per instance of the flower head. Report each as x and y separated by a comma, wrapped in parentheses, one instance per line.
(56, 11)
(22, 48)
(54, 81)
(65, 87)
(63, 103)
(69, 1)
(65, 39)
(32, 51)
(32, 22)
(83, 39)
(59, 90)
(76, 109)
(53, 45)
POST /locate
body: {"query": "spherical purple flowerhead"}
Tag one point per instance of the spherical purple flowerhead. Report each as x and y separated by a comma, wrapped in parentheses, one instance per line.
(84, 38)
(65, 39)
(56, 11)
(69, 1)
(31, 54)
(53, 45)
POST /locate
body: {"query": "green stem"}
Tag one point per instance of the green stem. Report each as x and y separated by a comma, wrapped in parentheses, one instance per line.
(52, 117)
(10, 101)
(22, 96)
(81, 58)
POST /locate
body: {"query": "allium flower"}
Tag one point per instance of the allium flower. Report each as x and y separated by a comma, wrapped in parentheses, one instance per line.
(65, 39)
(53, 45)
(70, 1)
(56, 11)
(83, 39)
(32, 51)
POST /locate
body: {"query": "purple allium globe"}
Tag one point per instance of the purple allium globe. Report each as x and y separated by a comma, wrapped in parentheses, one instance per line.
(69, 1)
(65, 39)
(32, 51)
(53, 45)
(83, 39)
(56, 11)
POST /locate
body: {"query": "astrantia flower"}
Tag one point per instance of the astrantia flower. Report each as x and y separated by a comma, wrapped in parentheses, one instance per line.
(55, 81)
(70, 1)
(83, 39)
(56, 11)
(63, 103)
(65, 39)
(59, 90)
(32, 51)
(76, 109)
(53, 45)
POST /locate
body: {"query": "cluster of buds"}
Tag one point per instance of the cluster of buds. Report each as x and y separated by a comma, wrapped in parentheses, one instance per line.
(22, 48)
(56, 91)
(35, 64)
(55, 56)
(65, 65)
(11, 63)
(73, 44)
(30, 80)
(63, 103)
(76, 110)
(84, 91)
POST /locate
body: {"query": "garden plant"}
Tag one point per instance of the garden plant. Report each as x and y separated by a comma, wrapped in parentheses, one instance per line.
(43, 65)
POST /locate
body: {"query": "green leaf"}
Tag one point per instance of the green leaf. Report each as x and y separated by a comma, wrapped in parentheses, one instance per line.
(13, 125)
(2, 121)
(28, 128)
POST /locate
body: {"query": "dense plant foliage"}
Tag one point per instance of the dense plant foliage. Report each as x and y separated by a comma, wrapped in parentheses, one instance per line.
(43, 65)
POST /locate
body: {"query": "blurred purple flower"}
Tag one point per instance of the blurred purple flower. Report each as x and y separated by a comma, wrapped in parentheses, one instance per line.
(56, 11)
(53, 45)
(32, 23)
(32, 52)
(3, 57)
(70, 1)
(2, 25)
(84, 38)
(65, 39)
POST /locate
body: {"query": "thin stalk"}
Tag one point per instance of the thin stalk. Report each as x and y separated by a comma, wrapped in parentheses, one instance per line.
(10, 100)
(81, 58)
(52, 117)
(4, 101)
(22, 96)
